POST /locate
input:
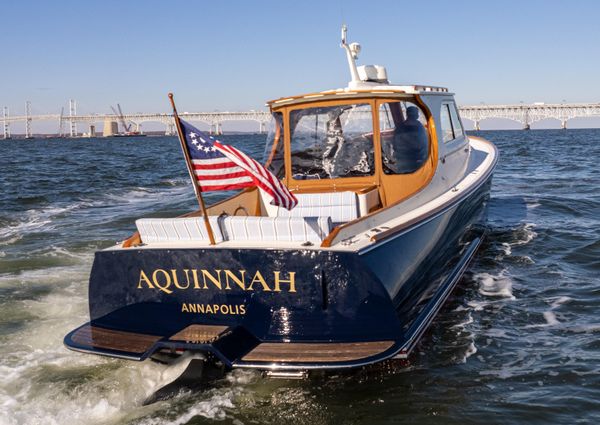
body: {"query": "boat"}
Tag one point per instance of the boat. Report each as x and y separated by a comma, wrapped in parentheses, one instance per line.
(392, 198)
(129, 134)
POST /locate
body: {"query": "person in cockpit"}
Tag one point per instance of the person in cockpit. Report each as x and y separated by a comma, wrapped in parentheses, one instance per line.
(409, 147)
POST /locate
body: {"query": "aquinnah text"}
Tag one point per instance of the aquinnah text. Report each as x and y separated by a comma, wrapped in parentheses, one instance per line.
(170, 280)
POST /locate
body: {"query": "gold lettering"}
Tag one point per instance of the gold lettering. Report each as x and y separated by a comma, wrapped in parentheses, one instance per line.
(144, 277)
(291, 281)
(241, 282)
(176, 280)
(231, 309)
(215, 281)
(165, 287)
(196, 283)
(260, 279)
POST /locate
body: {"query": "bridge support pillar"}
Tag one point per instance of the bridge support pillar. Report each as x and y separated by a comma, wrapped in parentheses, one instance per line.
(477, 128)
(216, 129)
(526, 127)
(6, 126)
(563, 124)
(72, 113)
(170, 130)
(28, 120)
(262, 127)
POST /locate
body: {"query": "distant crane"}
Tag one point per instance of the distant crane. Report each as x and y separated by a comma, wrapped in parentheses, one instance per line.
(127, 132)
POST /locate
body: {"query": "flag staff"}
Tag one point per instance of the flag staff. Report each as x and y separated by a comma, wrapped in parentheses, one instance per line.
(188, 162)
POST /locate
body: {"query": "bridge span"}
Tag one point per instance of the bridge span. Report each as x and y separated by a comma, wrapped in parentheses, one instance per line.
(213, 119)
(526, 114)
(529, 114)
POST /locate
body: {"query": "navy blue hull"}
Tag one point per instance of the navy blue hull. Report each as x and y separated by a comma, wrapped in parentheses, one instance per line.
(387, 293)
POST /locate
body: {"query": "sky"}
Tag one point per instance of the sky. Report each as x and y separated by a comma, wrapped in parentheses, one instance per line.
(235, 55)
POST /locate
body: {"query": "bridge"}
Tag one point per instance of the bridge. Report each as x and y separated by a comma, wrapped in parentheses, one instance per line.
(529, 114)
(526, 114)
(213, 119)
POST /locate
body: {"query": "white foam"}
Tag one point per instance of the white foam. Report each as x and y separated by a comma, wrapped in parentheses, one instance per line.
(527, 235)
(560, 301)
(551, 319)
(499, 285)
(471, 349)
(468, 321)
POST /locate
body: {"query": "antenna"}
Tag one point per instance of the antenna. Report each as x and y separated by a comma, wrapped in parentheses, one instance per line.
(352, 52)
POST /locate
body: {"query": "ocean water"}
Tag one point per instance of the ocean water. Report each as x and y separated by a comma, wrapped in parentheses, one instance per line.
(518, 341)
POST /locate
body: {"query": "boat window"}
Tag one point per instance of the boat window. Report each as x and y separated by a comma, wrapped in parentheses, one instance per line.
(451, 126)
(404, 137)
(456, 124)
(332, 142)
(273, 157)
(447, 132)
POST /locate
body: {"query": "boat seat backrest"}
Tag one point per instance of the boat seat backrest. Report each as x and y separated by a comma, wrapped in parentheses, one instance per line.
(177, 229)
(271, 229)
(340, 206)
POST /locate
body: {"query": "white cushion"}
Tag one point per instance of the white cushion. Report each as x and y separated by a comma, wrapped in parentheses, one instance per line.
(293, 229)
(177, 229)
(340, 206)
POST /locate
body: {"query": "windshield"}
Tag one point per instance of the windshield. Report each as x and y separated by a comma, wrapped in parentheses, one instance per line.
(273, 157)
(332, 142)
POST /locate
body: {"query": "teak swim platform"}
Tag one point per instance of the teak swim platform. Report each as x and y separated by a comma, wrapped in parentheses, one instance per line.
(391, 209)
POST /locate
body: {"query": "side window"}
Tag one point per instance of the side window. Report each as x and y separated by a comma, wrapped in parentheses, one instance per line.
(273, 156)
(456, 125)
(451, 125)
(404, 137)
(447, 132)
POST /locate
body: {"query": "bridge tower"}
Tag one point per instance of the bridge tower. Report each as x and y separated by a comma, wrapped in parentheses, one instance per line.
(170, 130)
(28, 120)
(215, 128)
(6, 126)
(476, 125)
(563, 124)
(261, 128)
(72, 113)
(526, 125)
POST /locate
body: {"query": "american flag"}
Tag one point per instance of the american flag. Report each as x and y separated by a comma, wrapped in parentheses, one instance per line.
(220, 167)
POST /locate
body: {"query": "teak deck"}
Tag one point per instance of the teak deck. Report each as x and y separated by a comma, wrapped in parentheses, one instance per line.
(199, 334)
(315, 352)
(114, 340)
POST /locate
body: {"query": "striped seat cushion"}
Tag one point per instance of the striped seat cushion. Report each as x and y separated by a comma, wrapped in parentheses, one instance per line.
(340, 206)
(177, 229)
(294, 229)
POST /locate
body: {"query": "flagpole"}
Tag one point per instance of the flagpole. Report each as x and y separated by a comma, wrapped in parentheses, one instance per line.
(188, 162)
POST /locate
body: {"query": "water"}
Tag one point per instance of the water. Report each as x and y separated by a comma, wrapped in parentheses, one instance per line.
(518, 342)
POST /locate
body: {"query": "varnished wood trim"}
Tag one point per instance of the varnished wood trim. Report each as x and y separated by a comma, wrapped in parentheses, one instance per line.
(107, 339)
(199, 334)
(315, 352)
(133, 240)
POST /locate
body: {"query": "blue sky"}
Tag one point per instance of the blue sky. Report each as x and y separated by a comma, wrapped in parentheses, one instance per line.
(234, 55)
